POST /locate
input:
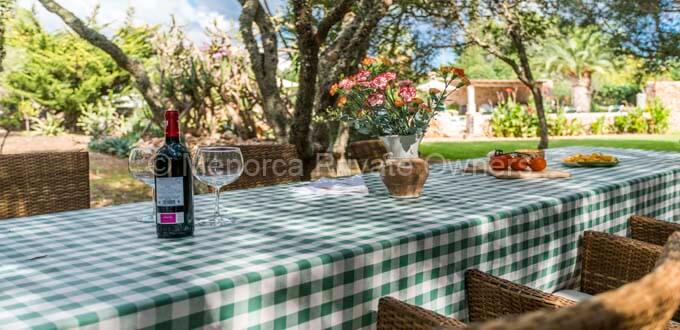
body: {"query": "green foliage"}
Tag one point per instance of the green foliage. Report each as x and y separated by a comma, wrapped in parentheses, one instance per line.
(480, 65)
(599, 126)
(117, 146)
(652, 119)
(62, 72)
(511, 119)
(632, 122)
(615, 95)
(50, 125)
(659, 117)
(98, 119)
(578, 55)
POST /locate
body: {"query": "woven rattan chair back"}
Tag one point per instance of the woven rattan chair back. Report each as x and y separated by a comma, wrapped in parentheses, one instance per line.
(651, 230)
(40, 183)
(370, 154)
(267, 165)
(646, 304)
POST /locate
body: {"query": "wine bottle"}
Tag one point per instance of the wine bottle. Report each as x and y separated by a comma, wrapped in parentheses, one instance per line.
(174, 186)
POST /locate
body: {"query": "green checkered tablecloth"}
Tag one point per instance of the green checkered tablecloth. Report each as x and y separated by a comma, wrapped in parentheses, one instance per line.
(314, 262)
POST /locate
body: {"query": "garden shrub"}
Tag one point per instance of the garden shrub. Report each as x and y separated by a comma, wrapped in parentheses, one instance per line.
(616, 94)
(599, 126)
(50, 125)
(633, 122)
(575, 127)
(659, 117)
(510, 119)
(652, 119)
(117, 146)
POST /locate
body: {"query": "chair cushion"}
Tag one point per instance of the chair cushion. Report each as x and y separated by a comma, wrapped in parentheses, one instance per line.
(573, 295)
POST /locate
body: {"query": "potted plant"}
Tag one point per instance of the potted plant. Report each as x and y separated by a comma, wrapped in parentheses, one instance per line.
(375, 102)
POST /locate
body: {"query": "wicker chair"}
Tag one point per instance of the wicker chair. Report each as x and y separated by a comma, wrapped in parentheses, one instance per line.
(370, 154)
(651, 230)
(39, 183)
(267, 164)
(396, 314)
(607, 262)
(646, 304)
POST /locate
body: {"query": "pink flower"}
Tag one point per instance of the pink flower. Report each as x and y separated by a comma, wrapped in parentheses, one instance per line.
(362, 75)
(407, 92)
(346, 84)
(376, 99)
(381, 80)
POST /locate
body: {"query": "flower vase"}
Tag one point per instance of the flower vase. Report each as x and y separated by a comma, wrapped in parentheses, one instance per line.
(404, 173)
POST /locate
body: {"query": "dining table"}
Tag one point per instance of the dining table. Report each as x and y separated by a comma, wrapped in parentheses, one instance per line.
(322, 261)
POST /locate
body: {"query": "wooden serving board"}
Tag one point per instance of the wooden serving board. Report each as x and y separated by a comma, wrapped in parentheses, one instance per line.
(483, 167)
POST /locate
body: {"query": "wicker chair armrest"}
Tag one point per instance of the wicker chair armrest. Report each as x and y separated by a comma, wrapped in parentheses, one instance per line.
(610, 261)
(490, 297)
(395, 314)
(651, 230)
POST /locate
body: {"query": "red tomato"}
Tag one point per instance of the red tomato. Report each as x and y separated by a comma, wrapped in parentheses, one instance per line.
(519, 163)
(500, 162)
(538, 164)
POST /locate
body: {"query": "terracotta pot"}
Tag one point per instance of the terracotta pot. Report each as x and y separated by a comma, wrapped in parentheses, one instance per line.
(405, 178)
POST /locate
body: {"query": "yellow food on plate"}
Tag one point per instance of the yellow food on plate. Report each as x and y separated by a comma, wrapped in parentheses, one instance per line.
(595, 157)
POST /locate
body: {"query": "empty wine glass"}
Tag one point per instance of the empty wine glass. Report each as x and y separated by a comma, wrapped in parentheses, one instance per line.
(217, 167)
(140, 165)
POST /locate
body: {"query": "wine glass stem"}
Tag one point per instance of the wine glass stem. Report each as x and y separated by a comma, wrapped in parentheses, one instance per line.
(217, 203)
(153, 203)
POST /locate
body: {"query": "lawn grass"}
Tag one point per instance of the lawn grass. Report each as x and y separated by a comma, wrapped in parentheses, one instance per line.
(473, 149)
(111, 184)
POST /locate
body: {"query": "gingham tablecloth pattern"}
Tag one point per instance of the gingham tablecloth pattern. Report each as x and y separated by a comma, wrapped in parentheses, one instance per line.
(315, 262)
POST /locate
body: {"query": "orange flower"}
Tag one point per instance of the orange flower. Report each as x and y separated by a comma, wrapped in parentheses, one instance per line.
(333, 90)
(398, 103)
(434, 91)
(368, 60)
(459, 72)
(418, 100)
(342, 100)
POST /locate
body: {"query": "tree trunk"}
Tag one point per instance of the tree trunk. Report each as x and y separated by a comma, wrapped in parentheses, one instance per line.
(308, 45)
(580, 94)
(540, 111)
(527, 77)
(264, 64)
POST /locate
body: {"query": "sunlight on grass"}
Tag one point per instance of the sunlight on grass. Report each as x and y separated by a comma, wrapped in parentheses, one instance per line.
(474, 149)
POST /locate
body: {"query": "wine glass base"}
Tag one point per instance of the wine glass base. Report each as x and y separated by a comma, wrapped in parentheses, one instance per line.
(215, 222)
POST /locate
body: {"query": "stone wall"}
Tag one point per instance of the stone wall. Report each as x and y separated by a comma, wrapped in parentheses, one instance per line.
(669, 94)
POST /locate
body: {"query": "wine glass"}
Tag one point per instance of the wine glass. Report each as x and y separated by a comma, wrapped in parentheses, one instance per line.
(140, 166)
(217, 167)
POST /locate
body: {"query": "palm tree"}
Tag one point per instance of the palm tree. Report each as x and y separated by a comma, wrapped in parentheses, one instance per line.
(577, 57)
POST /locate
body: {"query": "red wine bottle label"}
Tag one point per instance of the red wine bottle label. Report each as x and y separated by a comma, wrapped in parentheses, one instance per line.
(170, 191)
(170, 218)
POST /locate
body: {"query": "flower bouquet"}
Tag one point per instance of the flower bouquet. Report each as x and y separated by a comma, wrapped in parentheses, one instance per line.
(375, 102)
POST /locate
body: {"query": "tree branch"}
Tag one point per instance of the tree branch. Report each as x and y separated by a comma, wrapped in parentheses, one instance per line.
(498, 54)
(132, 66)
(334, 16)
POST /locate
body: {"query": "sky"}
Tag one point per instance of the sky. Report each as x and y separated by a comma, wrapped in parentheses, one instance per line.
(194, 15)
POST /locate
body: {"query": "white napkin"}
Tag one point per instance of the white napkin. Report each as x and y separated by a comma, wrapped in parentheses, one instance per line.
(353, 185)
